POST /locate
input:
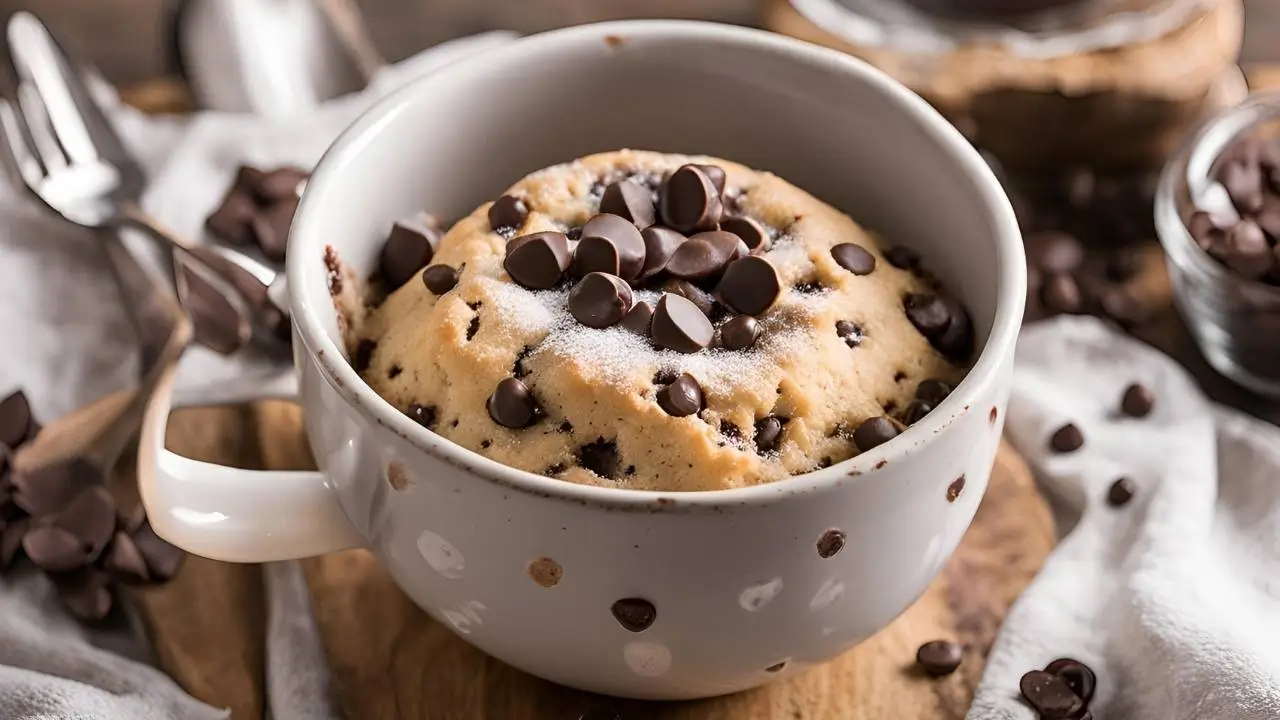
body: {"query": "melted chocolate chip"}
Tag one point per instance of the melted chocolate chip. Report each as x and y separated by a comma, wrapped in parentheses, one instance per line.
(512, 405)
(440, 279)
(507, 213)
(538, 261)
(601, 457)
(600, 300)
(854, 258)
(850, 332)
(629, 201)
(679, 325)
(424, 415)
(681, 398)
(689, 201)
(739, 333)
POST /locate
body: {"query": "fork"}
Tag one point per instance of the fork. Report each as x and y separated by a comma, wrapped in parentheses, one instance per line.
(69, 156)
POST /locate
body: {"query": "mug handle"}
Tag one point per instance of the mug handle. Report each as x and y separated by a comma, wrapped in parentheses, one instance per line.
(230, 514)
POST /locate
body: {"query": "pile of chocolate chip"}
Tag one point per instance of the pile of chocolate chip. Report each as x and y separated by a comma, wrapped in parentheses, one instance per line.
(1245, 241)
(1061, 281)
(1061, 691)
(66, 523)
(258, 209)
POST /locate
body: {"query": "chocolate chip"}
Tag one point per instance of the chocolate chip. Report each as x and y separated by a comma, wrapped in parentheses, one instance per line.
(681, 398)
(915, 412)
(939, 657)
(705, 255)
(91, 517)
(1061, 293)
(1137, 401)
(440, 279)
(363, 355)
(716, 174)
(600, 300)
(874, 432)
(512, 405)
(231, 221)
(1067, 438)
(1246, 250)
(1053, 251)
(271, 228)
(507, 213)
(601, 457)
(854, 258)
(54, 549)
(629, 201)
(1120, 492)
(850, 332)
(1078, 676)
(739, 333)
(689, 200)
(1049, 695)
(124, 560)
(679, 325)
(1123, 265)
(11, 539)
(47, 490)
(956, 342)
(283, 183)
(831, 542)
(902, 257)
(15, 418)
(409, 247)
(638, 318)
(768, 434)
(1243, 181)
(752, 233)
(750, 285)
(932, 391)
(660, 244)
(1209, 229)
(85, 592)
(1123, 306)
(610, 244)
(928, 313)
(634, 614)
(538, 261)
(163, 560)
(424, 415)
(696, 295)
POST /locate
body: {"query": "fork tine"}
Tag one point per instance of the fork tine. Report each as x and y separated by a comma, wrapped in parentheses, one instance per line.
(38, 62)
(41, 133)
(22, 159)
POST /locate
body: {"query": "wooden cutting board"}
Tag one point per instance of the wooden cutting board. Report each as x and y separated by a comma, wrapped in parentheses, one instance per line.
(389, 660)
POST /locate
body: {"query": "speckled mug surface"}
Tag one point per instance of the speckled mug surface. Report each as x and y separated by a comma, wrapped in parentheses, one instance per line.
(630, 593)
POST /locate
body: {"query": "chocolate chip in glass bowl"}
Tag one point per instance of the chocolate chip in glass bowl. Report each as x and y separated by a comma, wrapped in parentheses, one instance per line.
(1243, 181)
(705, 255)
(750, 285)
(610, 244)
(755, 235)
(660, 244)
(538, 261)
(689, 200)
(679, 325)
(854, 258)
(681, 398)
(1245, 250)
(629, 201)
(512, 405)
(600, 300)
(507, 214)
(739, 333)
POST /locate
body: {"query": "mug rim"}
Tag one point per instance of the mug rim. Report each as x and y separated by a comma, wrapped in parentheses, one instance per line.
(1010, 274)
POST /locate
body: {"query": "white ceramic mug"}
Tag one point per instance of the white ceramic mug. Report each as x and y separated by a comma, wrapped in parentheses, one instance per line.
(741, 590)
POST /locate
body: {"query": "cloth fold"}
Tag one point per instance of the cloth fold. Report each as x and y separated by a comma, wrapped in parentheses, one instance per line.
(1173, 599)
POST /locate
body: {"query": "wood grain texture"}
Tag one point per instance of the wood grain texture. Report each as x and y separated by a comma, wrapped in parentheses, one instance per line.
(391, 661)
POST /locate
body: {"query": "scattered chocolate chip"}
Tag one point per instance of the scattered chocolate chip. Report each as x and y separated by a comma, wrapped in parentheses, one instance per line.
(939, 657)
(600, 300)
(660, 244)
(902, 257)
(507, 213)
(874, 432)
(1049, 695)
(638, 318)
(1122, 306)
(512, 405)
(1067, 438)
(1137, 401)
(679, 325)
(1123, 265)
(689, 200)
(163, 559)
(1078, 676)
(915, 412)
(1120, 492)
(681, 398)
(751, 232)
(424, 415)
(440, 279)
(634, 614)
(750, 285)
(928, 313)
(409, 247)
(85, 592)
(768, 434)
(739, 333)
(271, 228)
(696, 295)
(629, 201)
(613, 243)
(54, 549)
(850, 332)
(1061, 294)
(716, 174)
(830, 543)
(47, 490)
(705, 255)
(283, 183)
(124, 560)
(932, 391)
(15, 418)
(601, 457)
(955, 488)
(1053, 251)
(538, 261)
(231, 221)
(854, 258)
(363, 355)
(91, 517)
